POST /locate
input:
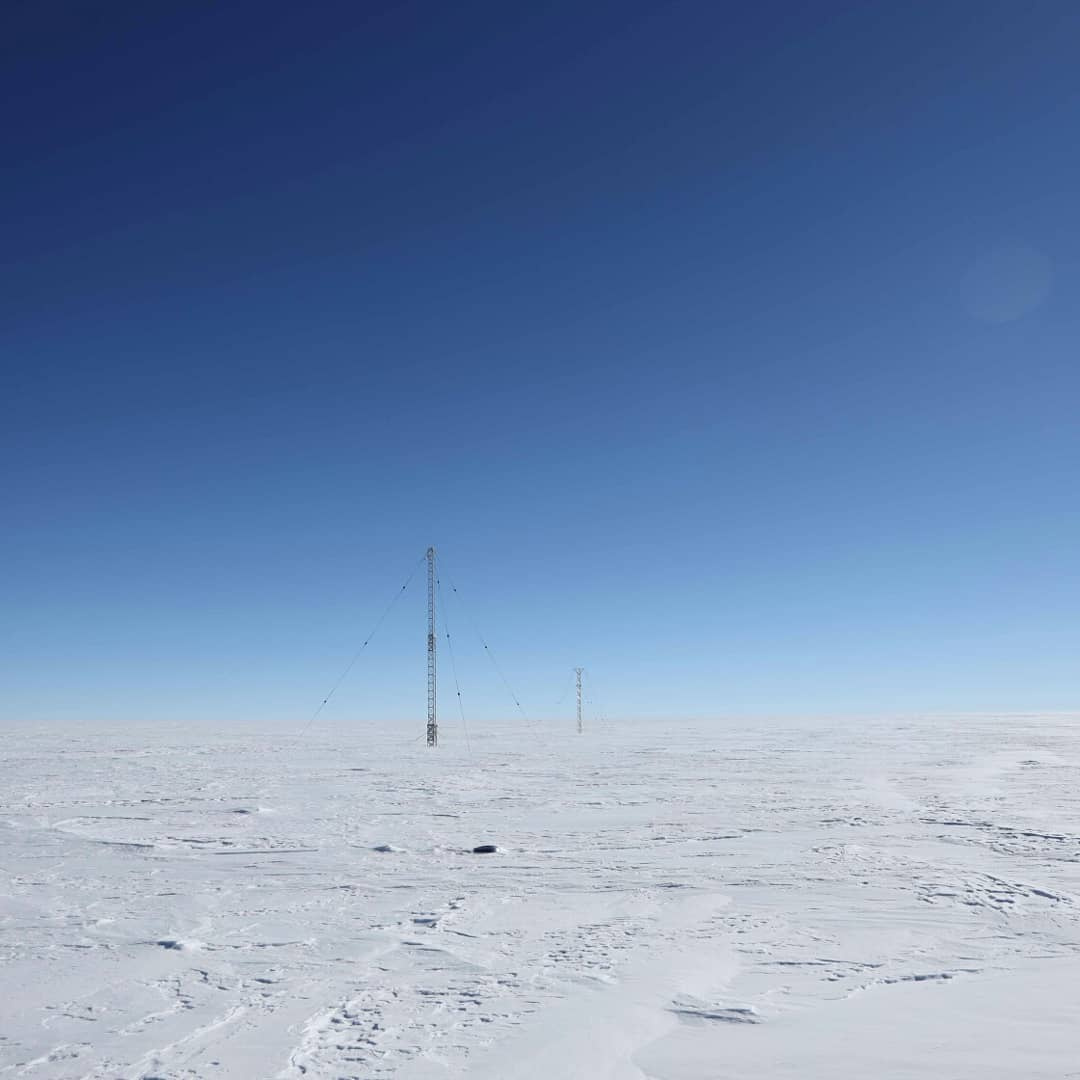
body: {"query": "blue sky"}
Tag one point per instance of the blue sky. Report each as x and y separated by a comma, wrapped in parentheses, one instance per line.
(729, 351)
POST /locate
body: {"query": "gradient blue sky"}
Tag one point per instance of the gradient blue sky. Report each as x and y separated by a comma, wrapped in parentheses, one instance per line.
(728, 350)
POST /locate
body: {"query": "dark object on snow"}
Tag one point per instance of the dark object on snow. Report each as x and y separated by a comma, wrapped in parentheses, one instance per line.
(484, 849)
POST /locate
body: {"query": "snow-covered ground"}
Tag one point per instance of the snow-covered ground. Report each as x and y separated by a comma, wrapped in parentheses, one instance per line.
(760, 900)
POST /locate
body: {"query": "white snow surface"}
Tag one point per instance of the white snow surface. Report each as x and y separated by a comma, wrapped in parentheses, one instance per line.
(749, 901)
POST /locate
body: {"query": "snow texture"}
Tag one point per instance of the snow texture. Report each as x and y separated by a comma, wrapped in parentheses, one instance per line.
(759, 902)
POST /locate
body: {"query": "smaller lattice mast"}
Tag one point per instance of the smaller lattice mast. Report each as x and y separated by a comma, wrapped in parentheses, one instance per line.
(580, 721)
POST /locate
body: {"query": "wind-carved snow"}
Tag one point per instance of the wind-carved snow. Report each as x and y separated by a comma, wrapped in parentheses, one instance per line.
(763, 901)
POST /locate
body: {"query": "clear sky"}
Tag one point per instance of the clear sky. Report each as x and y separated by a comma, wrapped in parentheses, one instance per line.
(728, 350)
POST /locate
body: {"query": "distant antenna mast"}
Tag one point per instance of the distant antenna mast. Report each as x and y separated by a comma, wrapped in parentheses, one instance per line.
(580, 724)
(432, 722)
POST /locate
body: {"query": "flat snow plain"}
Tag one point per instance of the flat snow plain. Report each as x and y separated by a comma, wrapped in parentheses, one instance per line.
(746, 902)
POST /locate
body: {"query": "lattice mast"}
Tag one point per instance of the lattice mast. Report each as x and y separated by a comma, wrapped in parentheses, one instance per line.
(432, 721)
(580, 723)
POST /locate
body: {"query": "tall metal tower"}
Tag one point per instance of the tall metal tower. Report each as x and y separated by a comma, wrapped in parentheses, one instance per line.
(432, 722)
(580, 725)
